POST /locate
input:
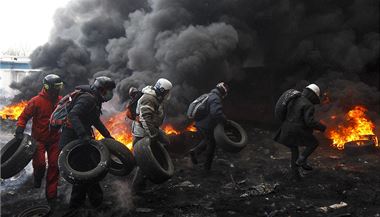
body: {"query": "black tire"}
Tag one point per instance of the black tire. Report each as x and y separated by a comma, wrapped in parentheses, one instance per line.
(122, 161)
(37, 211)
(15, 155)
(230, 137)
(153, 160)
(365, 147)
(81, 164)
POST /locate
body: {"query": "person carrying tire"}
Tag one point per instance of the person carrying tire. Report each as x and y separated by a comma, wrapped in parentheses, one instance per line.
(205, 126)
(84, 114)
(150, 116)
(297, 128)
(40, 108)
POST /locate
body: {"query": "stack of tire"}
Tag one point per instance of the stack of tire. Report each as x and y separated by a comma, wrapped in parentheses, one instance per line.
(15, 155)
(101, 157)
(230, 136)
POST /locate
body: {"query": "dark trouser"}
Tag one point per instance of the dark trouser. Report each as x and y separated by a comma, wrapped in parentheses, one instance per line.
(138, 182)
(39, 166)
(207, 144)
(79, 192)
(305, 154)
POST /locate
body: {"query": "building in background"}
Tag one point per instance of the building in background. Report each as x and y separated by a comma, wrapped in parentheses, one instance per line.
(13, 69)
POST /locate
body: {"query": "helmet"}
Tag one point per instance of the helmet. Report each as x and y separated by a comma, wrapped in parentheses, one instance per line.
(223, 88)
(163, 86)
(104, 85)
(314, 88)
(52, 82)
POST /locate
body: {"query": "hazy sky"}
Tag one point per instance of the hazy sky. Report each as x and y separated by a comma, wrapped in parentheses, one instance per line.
(26, 24)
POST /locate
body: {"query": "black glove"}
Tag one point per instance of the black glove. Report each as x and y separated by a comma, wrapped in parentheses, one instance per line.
(19, 134)
(85, 140)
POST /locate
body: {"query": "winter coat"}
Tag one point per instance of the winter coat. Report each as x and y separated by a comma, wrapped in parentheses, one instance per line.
(86, 112)
(297, 129)
(151, 114)
(40, 109)
(215, 112)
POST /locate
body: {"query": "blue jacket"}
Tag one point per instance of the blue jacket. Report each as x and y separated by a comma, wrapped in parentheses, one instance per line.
(215, 113)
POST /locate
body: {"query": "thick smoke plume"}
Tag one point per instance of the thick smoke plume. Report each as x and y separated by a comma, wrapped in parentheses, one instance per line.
(198, 43)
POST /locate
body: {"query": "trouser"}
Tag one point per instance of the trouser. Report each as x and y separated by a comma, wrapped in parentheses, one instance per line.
(139, 179)
(207, 144)
(305, 154)
(39, 166)
(79, 192)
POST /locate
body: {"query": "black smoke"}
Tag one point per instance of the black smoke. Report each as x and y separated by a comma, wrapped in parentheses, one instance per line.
(195, 44)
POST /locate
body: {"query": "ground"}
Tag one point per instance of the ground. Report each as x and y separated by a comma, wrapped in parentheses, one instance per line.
(254, 182)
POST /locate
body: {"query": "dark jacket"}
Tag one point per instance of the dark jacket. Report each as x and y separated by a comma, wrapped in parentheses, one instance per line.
(297, 129)
(215, 112)
(86, 112)
(40, 108)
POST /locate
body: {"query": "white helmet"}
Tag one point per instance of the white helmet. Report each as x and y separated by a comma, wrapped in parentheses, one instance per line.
(315, 89)
(163, 85)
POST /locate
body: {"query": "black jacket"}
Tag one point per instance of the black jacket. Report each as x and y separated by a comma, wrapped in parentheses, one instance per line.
(215, 112)
(297, 129)
(86, 112)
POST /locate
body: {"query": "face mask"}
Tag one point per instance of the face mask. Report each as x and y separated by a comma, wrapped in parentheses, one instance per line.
(108, 96)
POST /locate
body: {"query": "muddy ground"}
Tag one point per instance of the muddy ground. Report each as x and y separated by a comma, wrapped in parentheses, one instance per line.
(254, 182)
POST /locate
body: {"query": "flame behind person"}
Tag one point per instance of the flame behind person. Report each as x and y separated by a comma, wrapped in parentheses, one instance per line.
(205, 126)
(297, 128)
(150, 111)
(40, 109)
(84, 114)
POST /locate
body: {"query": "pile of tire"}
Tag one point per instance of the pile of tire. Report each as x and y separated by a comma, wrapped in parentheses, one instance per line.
(101, 157)
(230, 136)
(15, 155)
(154, 160)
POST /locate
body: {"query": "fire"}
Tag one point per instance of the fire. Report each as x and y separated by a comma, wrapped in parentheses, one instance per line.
(356, 127)
(119, 129)
(169, 130)
(13, 111)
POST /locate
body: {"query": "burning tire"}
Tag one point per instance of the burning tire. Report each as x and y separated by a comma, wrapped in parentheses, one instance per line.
(122, 161)
(15, 155)
(230, 137)
(42, 210)
(359, 147)
(153, 160)
(82, 164)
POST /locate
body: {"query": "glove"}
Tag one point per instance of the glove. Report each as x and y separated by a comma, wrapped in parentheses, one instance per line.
(322, 128)
(85, 140)
(19, 134)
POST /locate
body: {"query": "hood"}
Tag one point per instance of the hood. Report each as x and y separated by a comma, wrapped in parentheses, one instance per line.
(310, 95)
(87, 89)
(43, 93)
(149, 90)
(217, 92)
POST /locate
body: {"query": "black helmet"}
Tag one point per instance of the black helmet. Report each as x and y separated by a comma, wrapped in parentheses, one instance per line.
(223, 88)
(104, 83)
(52, 81)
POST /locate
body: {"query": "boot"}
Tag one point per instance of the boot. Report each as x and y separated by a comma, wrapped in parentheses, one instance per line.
(295, 174)
(193, 158)
(139, 182)
(52, 202)
(303, 163)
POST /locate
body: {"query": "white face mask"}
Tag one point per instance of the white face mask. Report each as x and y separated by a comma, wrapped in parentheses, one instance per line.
(108, 96)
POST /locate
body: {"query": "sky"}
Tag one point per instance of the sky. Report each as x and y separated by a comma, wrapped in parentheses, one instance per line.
(26, 24)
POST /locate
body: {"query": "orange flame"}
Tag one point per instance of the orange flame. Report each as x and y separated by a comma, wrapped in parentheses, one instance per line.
(356, 127)
(13, 111)
(169, 130)
(191, 128)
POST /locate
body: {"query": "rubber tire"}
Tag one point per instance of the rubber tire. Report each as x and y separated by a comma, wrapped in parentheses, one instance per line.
(351, 148)
(41, 210)
(15, 155)
(149, 164)
(223, 141)
(125, 156)
(83, 177)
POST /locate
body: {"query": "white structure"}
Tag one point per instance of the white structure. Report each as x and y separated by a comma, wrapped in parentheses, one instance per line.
(13, 69)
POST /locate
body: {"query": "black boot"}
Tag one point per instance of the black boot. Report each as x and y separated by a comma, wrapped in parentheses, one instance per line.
(302, 162)
(139, 182)
(52, 202)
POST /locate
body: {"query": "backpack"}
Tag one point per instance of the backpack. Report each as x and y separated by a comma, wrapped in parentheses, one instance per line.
(198, 108)
(132, 105)
(282, 103)
(59, 116)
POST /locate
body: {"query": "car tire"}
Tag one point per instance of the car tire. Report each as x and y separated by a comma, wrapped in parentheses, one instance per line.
(122, 161)
(153, 160)
(84, 163)
(15, 155)
(231, 137)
